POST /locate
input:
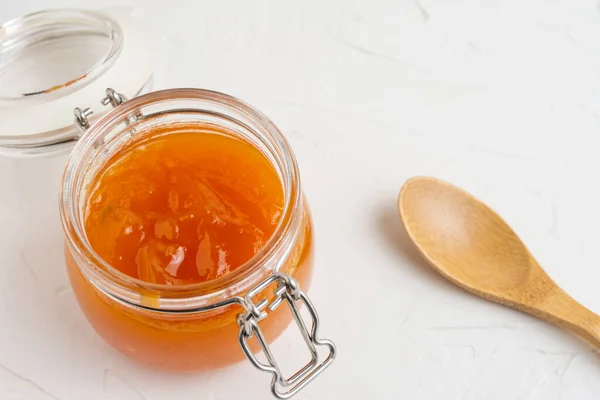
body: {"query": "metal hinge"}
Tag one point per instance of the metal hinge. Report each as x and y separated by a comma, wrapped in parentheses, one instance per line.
(287, 290)
(82, 121)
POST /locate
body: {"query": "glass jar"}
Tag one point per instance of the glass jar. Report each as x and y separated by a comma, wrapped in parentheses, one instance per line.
(210, 324)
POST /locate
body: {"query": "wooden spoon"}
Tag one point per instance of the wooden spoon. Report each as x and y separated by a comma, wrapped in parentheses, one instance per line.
(469, 244)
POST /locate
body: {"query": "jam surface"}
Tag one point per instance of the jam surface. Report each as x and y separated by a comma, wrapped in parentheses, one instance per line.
(184, 206)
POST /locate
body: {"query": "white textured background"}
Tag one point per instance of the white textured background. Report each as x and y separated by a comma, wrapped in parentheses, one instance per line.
(501, 97)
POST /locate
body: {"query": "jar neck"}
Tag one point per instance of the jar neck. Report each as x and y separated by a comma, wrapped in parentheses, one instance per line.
(132, 121)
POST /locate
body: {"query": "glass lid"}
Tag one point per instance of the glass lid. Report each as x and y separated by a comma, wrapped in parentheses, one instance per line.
(71, 48)
(53, 61)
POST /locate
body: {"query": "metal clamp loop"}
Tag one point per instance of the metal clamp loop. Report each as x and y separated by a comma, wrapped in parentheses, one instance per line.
(82, 121)
(113, 98)
(288, 290)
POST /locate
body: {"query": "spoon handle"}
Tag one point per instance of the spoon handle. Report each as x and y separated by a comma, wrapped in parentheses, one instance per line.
(560, 308)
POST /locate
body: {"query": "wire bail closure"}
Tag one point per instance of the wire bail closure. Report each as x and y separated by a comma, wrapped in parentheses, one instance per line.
(287, 290)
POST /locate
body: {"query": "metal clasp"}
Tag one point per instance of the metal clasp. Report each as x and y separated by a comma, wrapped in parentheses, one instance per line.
(288, 290)
(82, 121)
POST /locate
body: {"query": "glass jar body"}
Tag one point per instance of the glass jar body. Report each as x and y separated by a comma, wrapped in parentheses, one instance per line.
(192, 327)
(188, 342)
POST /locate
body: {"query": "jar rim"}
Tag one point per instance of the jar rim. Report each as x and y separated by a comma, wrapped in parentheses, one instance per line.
(209, 294)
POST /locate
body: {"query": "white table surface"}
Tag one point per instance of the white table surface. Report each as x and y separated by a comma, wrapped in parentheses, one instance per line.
(501, 97)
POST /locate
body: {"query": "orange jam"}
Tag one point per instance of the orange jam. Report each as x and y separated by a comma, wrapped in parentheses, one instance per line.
(185, 204)
(184, 207)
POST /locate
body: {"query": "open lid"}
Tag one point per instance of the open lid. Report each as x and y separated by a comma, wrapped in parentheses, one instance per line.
(53, 61)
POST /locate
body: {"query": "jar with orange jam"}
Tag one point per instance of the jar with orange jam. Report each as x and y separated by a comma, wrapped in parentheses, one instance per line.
(187, 234)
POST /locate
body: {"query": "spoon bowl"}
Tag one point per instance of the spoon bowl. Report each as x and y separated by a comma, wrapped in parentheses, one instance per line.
(473, 247)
